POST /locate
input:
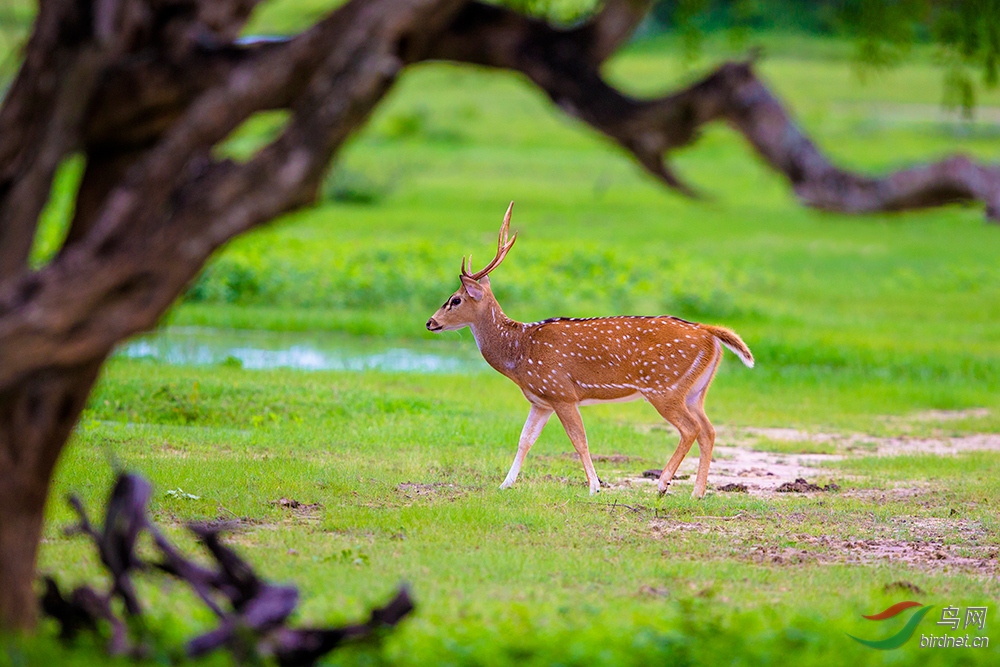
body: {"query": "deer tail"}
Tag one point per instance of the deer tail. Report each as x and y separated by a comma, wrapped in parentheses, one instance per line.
(733, 342)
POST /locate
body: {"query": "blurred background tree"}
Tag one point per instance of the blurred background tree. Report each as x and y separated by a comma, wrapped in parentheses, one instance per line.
(964, 33)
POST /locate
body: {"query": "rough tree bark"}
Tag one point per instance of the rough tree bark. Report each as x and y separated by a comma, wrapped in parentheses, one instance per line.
(145, 88)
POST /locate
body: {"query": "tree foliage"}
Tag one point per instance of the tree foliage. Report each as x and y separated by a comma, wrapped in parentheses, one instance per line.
(963, 36)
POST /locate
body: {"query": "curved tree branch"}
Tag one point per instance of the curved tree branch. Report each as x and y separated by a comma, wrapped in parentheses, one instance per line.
(562, 63)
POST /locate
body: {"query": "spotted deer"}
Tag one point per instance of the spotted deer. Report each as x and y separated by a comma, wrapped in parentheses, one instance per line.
(562, 363)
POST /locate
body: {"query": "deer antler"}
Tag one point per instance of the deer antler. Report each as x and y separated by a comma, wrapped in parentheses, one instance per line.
(503, 247)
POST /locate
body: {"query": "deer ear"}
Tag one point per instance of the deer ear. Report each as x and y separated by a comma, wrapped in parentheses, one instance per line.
(475, 290)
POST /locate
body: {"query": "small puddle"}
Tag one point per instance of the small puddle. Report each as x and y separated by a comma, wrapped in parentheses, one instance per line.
(312, 351)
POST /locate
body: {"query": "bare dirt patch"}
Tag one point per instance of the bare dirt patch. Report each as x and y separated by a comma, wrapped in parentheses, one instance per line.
(933, 544)
(903, 587)
(297, 507)
(945, 415)
(655, 474)
(596, 458)
(733, 488)
(169, 449)
(883, 446)
(758, 472)
(769, 470)
(612, 458)
(939, 445)
(927, 555)
(918, 490)
(742, 458)
(419, 490)
(802, 486)
(562, 479)
(233, 524)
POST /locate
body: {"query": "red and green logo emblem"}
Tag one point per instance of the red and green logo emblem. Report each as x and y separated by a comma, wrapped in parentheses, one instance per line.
(903, 635)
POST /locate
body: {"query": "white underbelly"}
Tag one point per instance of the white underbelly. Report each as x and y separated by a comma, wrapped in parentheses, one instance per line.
(624, 399)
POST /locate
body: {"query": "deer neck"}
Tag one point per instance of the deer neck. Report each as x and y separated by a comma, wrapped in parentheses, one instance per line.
(500, 339)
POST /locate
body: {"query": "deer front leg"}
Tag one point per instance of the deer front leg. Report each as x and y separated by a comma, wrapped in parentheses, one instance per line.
(569, 415)
(537, 418)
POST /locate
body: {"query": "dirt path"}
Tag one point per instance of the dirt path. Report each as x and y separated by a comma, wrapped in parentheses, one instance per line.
(741, 458)
(792, 537)
(760, 472)
(859, 443)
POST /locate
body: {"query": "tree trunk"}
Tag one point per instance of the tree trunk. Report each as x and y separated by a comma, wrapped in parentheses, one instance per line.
(22, 503)
(35, 421)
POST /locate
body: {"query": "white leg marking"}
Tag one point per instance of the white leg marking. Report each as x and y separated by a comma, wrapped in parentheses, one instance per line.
(537, 417)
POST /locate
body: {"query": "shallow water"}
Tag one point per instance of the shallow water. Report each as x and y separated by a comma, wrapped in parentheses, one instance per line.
(308, 350)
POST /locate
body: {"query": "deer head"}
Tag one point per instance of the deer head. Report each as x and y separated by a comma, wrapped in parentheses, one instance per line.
(463, 307)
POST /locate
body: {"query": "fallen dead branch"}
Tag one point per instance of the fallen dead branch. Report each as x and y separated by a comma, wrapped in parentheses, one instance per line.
(252, 612)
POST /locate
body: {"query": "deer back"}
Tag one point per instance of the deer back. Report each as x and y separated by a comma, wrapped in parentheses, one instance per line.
(611, 358)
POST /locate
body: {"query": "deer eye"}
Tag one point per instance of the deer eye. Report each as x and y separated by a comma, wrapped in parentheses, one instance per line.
(456, 301)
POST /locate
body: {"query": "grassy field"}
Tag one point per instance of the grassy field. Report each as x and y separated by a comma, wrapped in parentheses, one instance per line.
(873, 335)
(405, 469)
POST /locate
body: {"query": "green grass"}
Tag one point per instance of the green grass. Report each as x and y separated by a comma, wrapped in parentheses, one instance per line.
(852, 319)
(406, 468)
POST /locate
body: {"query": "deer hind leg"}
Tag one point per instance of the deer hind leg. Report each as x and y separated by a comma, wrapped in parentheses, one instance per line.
(537, 418)
(706, 442)
(695, 402)
(569, 415)
(687, 425)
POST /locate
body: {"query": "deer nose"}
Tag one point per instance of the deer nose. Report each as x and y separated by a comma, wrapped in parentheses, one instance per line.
(431, 323)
